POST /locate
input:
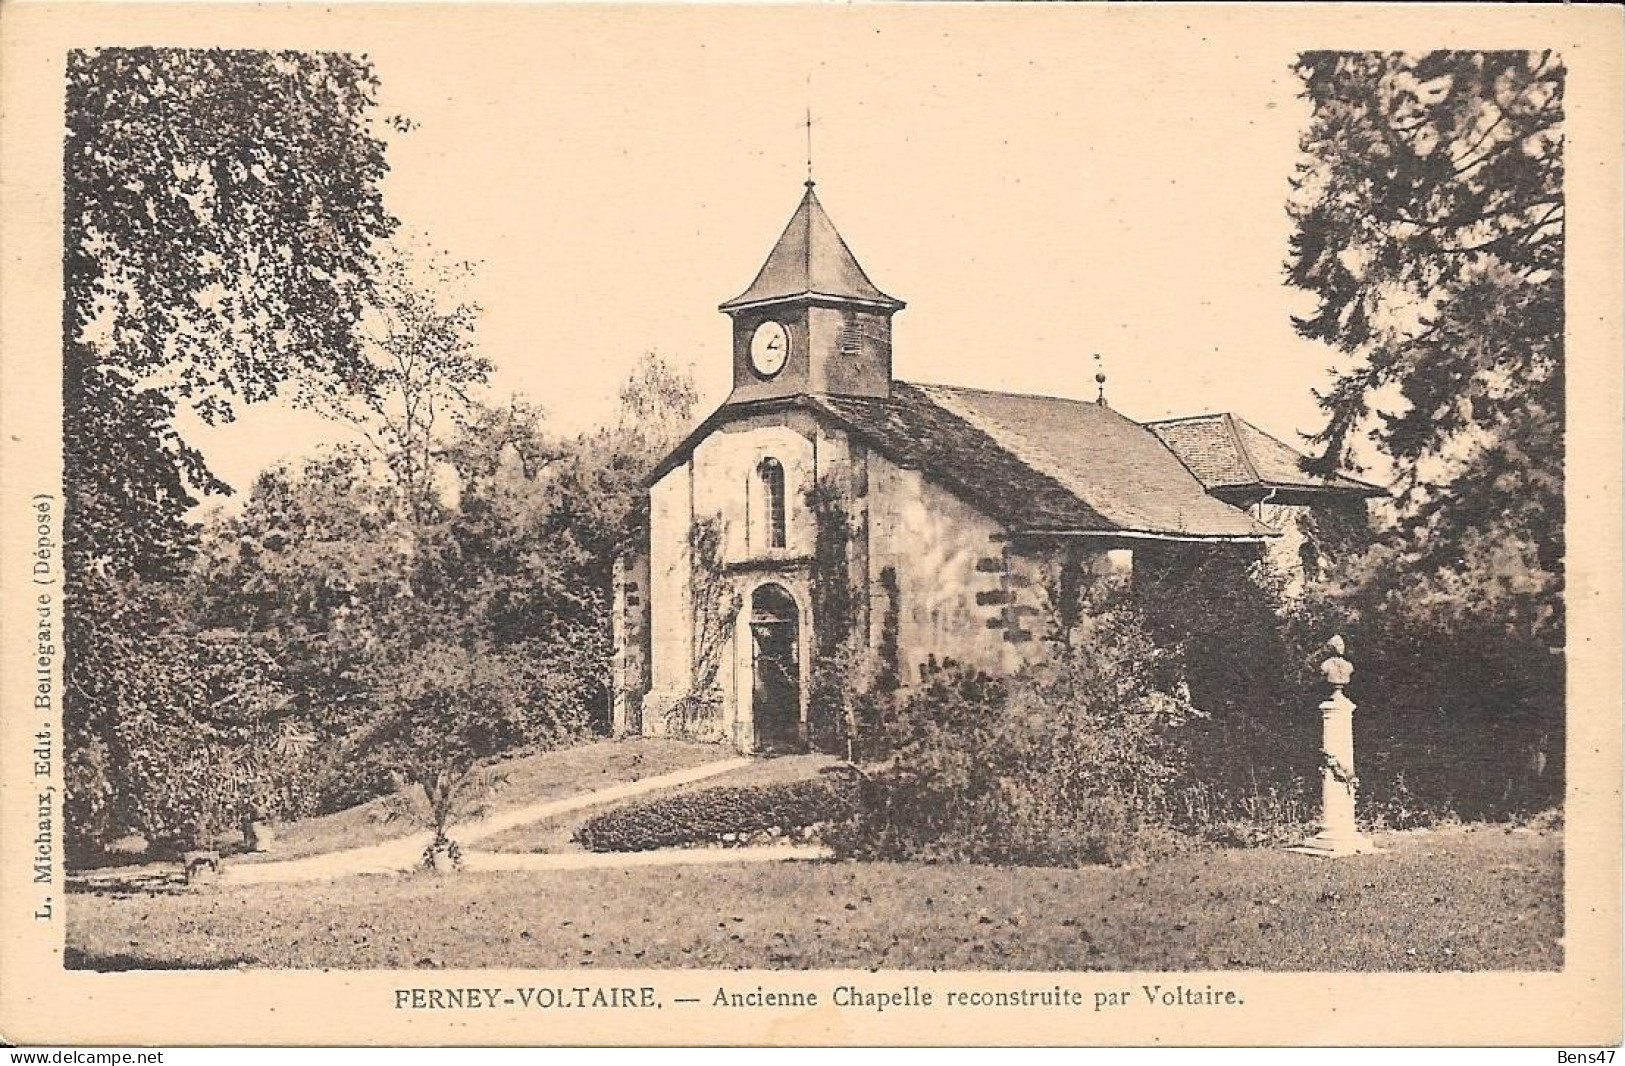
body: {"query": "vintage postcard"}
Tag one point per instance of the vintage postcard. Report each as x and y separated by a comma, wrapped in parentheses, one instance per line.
(783, 524)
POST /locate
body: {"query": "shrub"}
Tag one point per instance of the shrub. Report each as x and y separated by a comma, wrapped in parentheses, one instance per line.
(696, 716)
(200, 730)
(725, 815)
(1252, 772)
(438, 802)
(89, 803)
(445, 709)
(1066, 762)
(1217, 612)
(1252, 749)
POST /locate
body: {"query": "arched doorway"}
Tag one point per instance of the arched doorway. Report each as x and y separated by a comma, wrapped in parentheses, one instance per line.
(775, 657)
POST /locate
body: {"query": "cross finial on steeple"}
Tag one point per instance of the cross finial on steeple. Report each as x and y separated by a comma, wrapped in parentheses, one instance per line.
(809, 181)
(1100, 380)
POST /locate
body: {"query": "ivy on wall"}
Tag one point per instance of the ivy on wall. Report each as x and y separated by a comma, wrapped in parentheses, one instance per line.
(891, 661)
(849, 686)
(697, 714)
(834, 601)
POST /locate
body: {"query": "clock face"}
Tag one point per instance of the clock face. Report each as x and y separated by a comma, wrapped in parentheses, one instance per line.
(769, 348)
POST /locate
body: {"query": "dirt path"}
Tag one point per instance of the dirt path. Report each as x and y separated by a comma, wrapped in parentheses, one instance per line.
(485, 861)
(393, 856)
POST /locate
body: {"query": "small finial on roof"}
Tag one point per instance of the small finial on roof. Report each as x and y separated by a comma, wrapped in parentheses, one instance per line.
(1100, 381)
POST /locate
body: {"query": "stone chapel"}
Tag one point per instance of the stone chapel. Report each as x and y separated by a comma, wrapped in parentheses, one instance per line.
(942, 511)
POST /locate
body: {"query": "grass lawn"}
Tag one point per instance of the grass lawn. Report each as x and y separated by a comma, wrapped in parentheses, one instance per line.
(531, 779)
(1450, 899)
(553, 834)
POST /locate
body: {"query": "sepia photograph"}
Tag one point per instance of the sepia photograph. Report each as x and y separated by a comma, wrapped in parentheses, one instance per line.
(809, 502)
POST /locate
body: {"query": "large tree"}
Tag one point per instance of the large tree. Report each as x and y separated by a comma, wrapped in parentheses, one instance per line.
(220, 213)
(1429, 226)
(219, 219)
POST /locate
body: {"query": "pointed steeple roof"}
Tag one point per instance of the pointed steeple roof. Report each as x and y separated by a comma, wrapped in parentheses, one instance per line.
(811, 260)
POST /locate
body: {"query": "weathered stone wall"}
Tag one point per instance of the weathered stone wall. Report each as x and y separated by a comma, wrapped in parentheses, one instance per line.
(1284, 552)
(721, 483)
(671, 518)
(856, 347)
(630, 629)
(1312, 535)
(957, 594)
(728, 486)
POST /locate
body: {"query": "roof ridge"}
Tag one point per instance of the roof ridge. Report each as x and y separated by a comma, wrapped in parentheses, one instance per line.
(807, 234)
(1205, 416)
(1230, 421)
(1262, 432)
(1005, 392)
(1180, 459)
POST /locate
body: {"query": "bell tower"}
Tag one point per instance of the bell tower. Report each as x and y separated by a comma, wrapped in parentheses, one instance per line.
(812, 321)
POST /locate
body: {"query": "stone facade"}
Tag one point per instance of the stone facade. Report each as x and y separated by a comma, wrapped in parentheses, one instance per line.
(829, 513)
(937, 578)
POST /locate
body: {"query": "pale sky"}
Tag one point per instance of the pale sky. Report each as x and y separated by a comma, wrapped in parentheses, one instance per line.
(1034, 193)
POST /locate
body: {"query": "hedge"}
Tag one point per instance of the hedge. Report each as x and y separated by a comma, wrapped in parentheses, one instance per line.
(725, 815)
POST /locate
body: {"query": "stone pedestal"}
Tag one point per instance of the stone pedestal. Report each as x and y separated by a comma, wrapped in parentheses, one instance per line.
(1339, 833)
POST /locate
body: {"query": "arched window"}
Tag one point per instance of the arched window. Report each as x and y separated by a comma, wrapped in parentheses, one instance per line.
(772, 474)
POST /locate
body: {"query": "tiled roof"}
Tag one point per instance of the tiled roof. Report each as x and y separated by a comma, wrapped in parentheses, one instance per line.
(1227, 452)
(1038, 464)
(1208, 448)
(1112, 464)
(915, 433)
(811, 260)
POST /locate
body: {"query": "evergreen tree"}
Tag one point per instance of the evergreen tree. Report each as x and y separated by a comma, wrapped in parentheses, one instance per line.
(1429, 219)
